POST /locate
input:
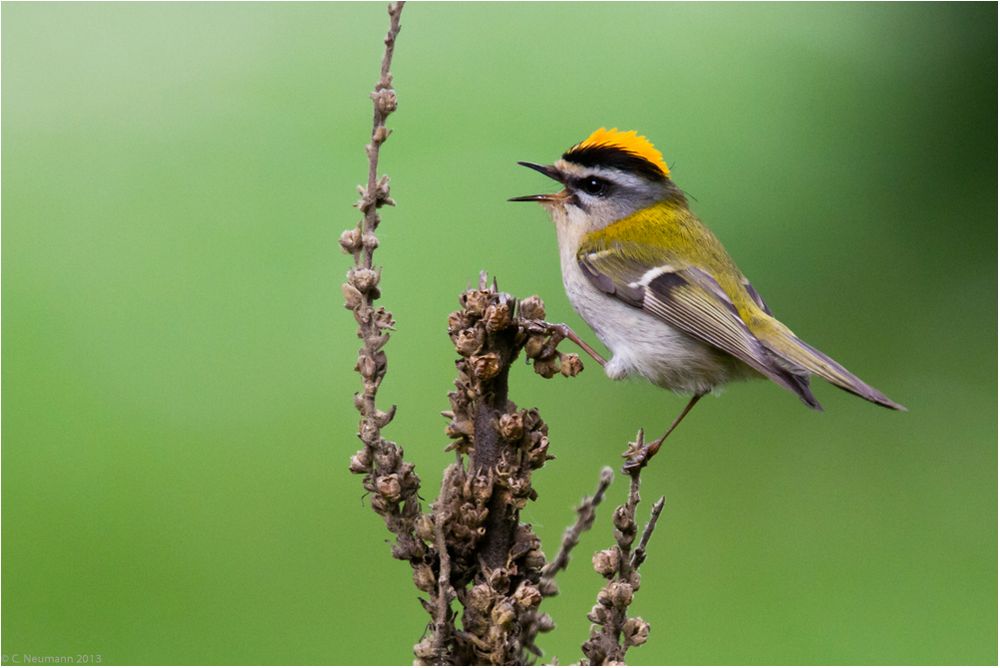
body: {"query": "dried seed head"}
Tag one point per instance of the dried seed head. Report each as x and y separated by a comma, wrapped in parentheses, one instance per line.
(622, 521)
(606, 562)
(532, 308)
(363, 279)
(387, 459)
(385, 100)
(598, 614)
(425, 528)
(570, 365)
(423, 577)
(512, 426)
(546, 368)
(485, 366)
(352, 297)
(361, 462)
(534, 346)
(534, 560)
(636, 631)
(620, 594)
(456, 322)
(527, 596)
(469, 341)
(389, 487)
(503, 614)
(497, 317)
(480, 598)
(476, 301)
(350, 240)
(424, 649)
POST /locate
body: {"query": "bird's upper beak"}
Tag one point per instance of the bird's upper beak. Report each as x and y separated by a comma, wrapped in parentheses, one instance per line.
(549, 171)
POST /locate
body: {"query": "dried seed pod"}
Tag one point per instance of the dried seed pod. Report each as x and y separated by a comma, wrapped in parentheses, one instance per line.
(425, 528)
(423, 578)
(534, 345)
(512, 426)
(361, 462)
(598, 614)
(534, 560)
(476, 301)
(425, 649)
(350, 240)
(636, 631)
(460, 429)
(620, 594)
(606, 562)
(352, 297)
(485, 366)
(469, 341)
(480, 598)
(546, 368)
(503, 614)
(532, 308)
(570, 365)
(497, 317)
(363, 279)
(527, 596)
(389, 487)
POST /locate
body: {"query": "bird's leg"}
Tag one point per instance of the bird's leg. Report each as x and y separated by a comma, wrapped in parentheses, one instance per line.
(563, 331)
(654, 447)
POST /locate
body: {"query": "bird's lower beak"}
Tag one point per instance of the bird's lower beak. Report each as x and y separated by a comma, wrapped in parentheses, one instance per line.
(549, 171)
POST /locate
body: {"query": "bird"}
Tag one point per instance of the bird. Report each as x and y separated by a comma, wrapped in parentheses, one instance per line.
(657, 286)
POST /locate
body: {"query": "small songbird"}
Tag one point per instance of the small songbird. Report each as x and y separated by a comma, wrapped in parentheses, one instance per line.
(658, 288)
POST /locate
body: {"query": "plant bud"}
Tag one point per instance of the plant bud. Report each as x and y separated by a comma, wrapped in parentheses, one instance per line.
(606, 562)
(532, 308)
(636, 631)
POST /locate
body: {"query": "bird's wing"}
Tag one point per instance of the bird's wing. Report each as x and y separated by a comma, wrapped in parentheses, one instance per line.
(688, 299)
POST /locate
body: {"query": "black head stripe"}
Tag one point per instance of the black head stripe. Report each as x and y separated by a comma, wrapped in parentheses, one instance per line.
(614, 158)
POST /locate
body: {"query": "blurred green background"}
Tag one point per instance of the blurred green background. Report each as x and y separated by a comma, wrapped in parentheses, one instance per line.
(177, 366)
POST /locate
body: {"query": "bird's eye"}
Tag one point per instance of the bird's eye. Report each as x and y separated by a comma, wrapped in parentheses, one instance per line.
(593, 185)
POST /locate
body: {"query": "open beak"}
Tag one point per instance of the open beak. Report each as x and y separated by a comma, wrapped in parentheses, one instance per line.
(550, 172)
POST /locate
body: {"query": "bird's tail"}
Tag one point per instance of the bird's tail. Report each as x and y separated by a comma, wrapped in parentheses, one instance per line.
(800, 356)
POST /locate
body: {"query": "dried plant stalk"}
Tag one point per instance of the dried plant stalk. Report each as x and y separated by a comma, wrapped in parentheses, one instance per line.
(392, 483)
(613, 631)
(470, 546)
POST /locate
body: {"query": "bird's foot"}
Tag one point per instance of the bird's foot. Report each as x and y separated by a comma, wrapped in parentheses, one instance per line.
(560, 331)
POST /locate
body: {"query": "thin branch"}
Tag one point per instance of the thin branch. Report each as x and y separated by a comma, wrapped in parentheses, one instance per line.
(639, 555)
(586, 513)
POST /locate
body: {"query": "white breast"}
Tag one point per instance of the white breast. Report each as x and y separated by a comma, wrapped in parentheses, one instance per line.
(641, 344)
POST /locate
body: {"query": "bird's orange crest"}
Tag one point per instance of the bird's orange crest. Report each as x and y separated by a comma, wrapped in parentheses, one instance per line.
(631, 142)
